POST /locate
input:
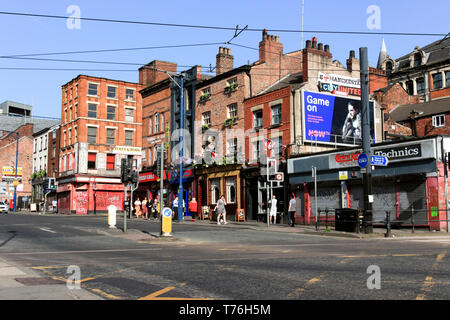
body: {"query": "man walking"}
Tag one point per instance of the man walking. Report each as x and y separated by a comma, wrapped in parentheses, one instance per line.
(273, 210)
(291, 211)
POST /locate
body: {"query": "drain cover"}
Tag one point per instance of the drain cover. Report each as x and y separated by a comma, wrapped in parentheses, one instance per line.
(37, 281)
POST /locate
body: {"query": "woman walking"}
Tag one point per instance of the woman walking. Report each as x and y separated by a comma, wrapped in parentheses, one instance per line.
(144, 208)
(137, 207)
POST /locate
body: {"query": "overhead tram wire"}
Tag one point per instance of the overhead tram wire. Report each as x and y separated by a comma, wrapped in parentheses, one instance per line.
(220, 28)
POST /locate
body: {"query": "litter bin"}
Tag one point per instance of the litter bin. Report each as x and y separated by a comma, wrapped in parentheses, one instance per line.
(346, 219)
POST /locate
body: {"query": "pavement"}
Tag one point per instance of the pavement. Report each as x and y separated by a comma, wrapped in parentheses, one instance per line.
(21, 283)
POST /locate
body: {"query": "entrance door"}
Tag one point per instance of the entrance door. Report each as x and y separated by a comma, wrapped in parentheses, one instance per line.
(412, 196)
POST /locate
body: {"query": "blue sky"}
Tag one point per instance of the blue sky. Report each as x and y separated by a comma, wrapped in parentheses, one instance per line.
(42, 89)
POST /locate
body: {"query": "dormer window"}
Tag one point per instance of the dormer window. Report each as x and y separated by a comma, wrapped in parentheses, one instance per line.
(389, 67)
(417, 59)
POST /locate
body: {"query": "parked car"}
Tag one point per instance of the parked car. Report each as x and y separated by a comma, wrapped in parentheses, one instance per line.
(3, 207)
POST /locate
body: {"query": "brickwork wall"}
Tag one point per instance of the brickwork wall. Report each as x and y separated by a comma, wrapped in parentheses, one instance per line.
(25, 156)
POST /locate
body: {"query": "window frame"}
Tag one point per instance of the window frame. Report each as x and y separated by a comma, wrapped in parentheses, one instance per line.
(132, 137)
(108, 113)
(108, 92)
(108, 130)
(96, 89)
(438, 120)
(206, 116)
(89, 135)
(89, 110)
(439, 81)
(255, 119)
(230, 111)
(127, 95)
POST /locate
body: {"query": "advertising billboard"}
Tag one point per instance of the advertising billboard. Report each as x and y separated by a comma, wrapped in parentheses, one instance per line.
(331, 119)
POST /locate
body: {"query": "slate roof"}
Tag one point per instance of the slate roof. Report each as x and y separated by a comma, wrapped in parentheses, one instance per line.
(425, 109)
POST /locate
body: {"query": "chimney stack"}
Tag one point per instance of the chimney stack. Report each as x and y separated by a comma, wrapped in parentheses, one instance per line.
(327, 48)
(224, 60)
(270, 47)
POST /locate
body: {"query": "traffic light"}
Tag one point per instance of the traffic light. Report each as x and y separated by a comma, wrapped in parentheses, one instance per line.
(51, 184)
(134, 177)
(125, 170)
(272, 166)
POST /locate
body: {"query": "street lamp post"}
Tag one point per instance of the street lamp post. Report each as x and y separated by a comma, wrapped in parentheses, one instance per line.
(180, 187)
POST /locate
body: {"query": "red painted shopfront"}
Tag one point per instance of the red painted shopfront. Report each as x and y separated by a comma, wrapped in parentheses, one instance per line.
(89, 195)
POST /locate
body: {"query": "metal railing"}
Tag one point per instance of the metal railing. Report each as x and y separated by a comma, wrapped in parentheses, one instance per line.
(411, 218)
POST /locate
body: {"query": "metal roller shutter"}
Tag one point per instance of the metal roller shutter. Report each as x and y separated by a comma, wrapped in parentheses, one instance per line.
(412, 194)
(384, 200)
(327, 197)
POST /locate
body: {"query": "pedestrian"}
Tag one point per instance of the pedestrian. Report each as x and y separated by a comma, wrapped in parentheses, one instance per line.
(193, 207)
(137, 207)
(55, 206)
(155, 208)
(291, 211)
(149, 207)
(221, 211)
(273, 210)
(144, 208)
(175, 209)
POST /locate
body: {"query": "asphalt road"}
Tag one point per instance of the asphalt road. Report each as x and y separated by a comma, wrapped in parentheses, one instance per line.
(211, 262)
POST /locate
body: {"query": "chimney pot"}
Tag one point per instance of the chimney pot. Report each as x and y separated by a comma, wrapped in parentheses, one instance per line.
(327, 48)
(320, 46)
(308, 43)
(352, 54)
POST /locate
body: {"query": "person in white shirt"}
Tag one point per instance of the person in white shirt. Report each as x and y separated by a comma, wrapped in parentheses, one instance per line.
(273, 210)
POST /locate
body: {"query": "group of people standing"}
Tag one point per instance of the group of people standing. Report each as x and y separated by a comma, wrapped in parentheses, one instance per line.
(146, 208)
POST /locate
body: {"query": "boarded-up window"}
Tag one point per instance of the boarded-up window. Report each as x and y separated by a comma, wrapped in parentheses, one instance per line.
(91, 160)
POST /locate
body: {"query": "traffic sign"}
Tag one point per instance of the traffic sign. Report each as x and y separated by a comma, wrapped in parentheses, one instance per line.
(379, 161)
(363, 160)
(167, 212)
(277, 177)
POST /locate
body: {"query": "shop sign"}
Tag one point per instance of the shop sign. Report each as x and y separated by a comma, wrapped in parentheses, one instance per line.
(174, 175)
(343, 175)
(339, 80)
(127, 150)
(337, 89)
(10, 171)
(404, 152)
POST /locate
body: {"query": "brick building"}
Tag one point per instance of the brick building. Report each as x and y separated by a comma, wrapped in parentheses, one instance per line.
(156, 100)
(219, 121)
(423, 72)
(8, 147)
(101, 123)
(424, 119)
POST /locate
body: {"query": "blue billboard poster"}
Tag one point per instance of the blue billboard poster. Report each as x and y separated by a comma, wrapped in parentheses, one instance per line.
(332, 119)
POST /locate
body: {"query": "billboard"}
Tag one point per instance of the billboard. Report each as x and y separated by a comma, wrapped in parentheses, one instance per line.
(331, 119)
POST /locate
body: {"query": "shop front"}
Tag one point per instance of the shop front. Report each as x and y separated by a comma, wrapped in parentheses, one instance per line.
(410, 187)
(213, 182)
(89, 195)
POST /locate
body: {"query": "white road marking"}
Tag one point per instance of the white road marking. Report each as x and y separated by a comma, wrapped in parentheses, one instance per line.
(47, 229)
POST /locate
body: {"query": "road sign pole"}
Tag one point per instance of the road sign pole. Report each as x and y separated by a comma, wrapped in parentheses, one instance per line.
(125, 210)
(367, 176)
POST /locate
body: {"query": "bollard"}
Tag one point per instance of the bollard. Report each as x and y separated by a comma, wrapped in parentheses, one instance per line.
(388, 224)
(412, 219)
(112, 210)
(326, 219)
